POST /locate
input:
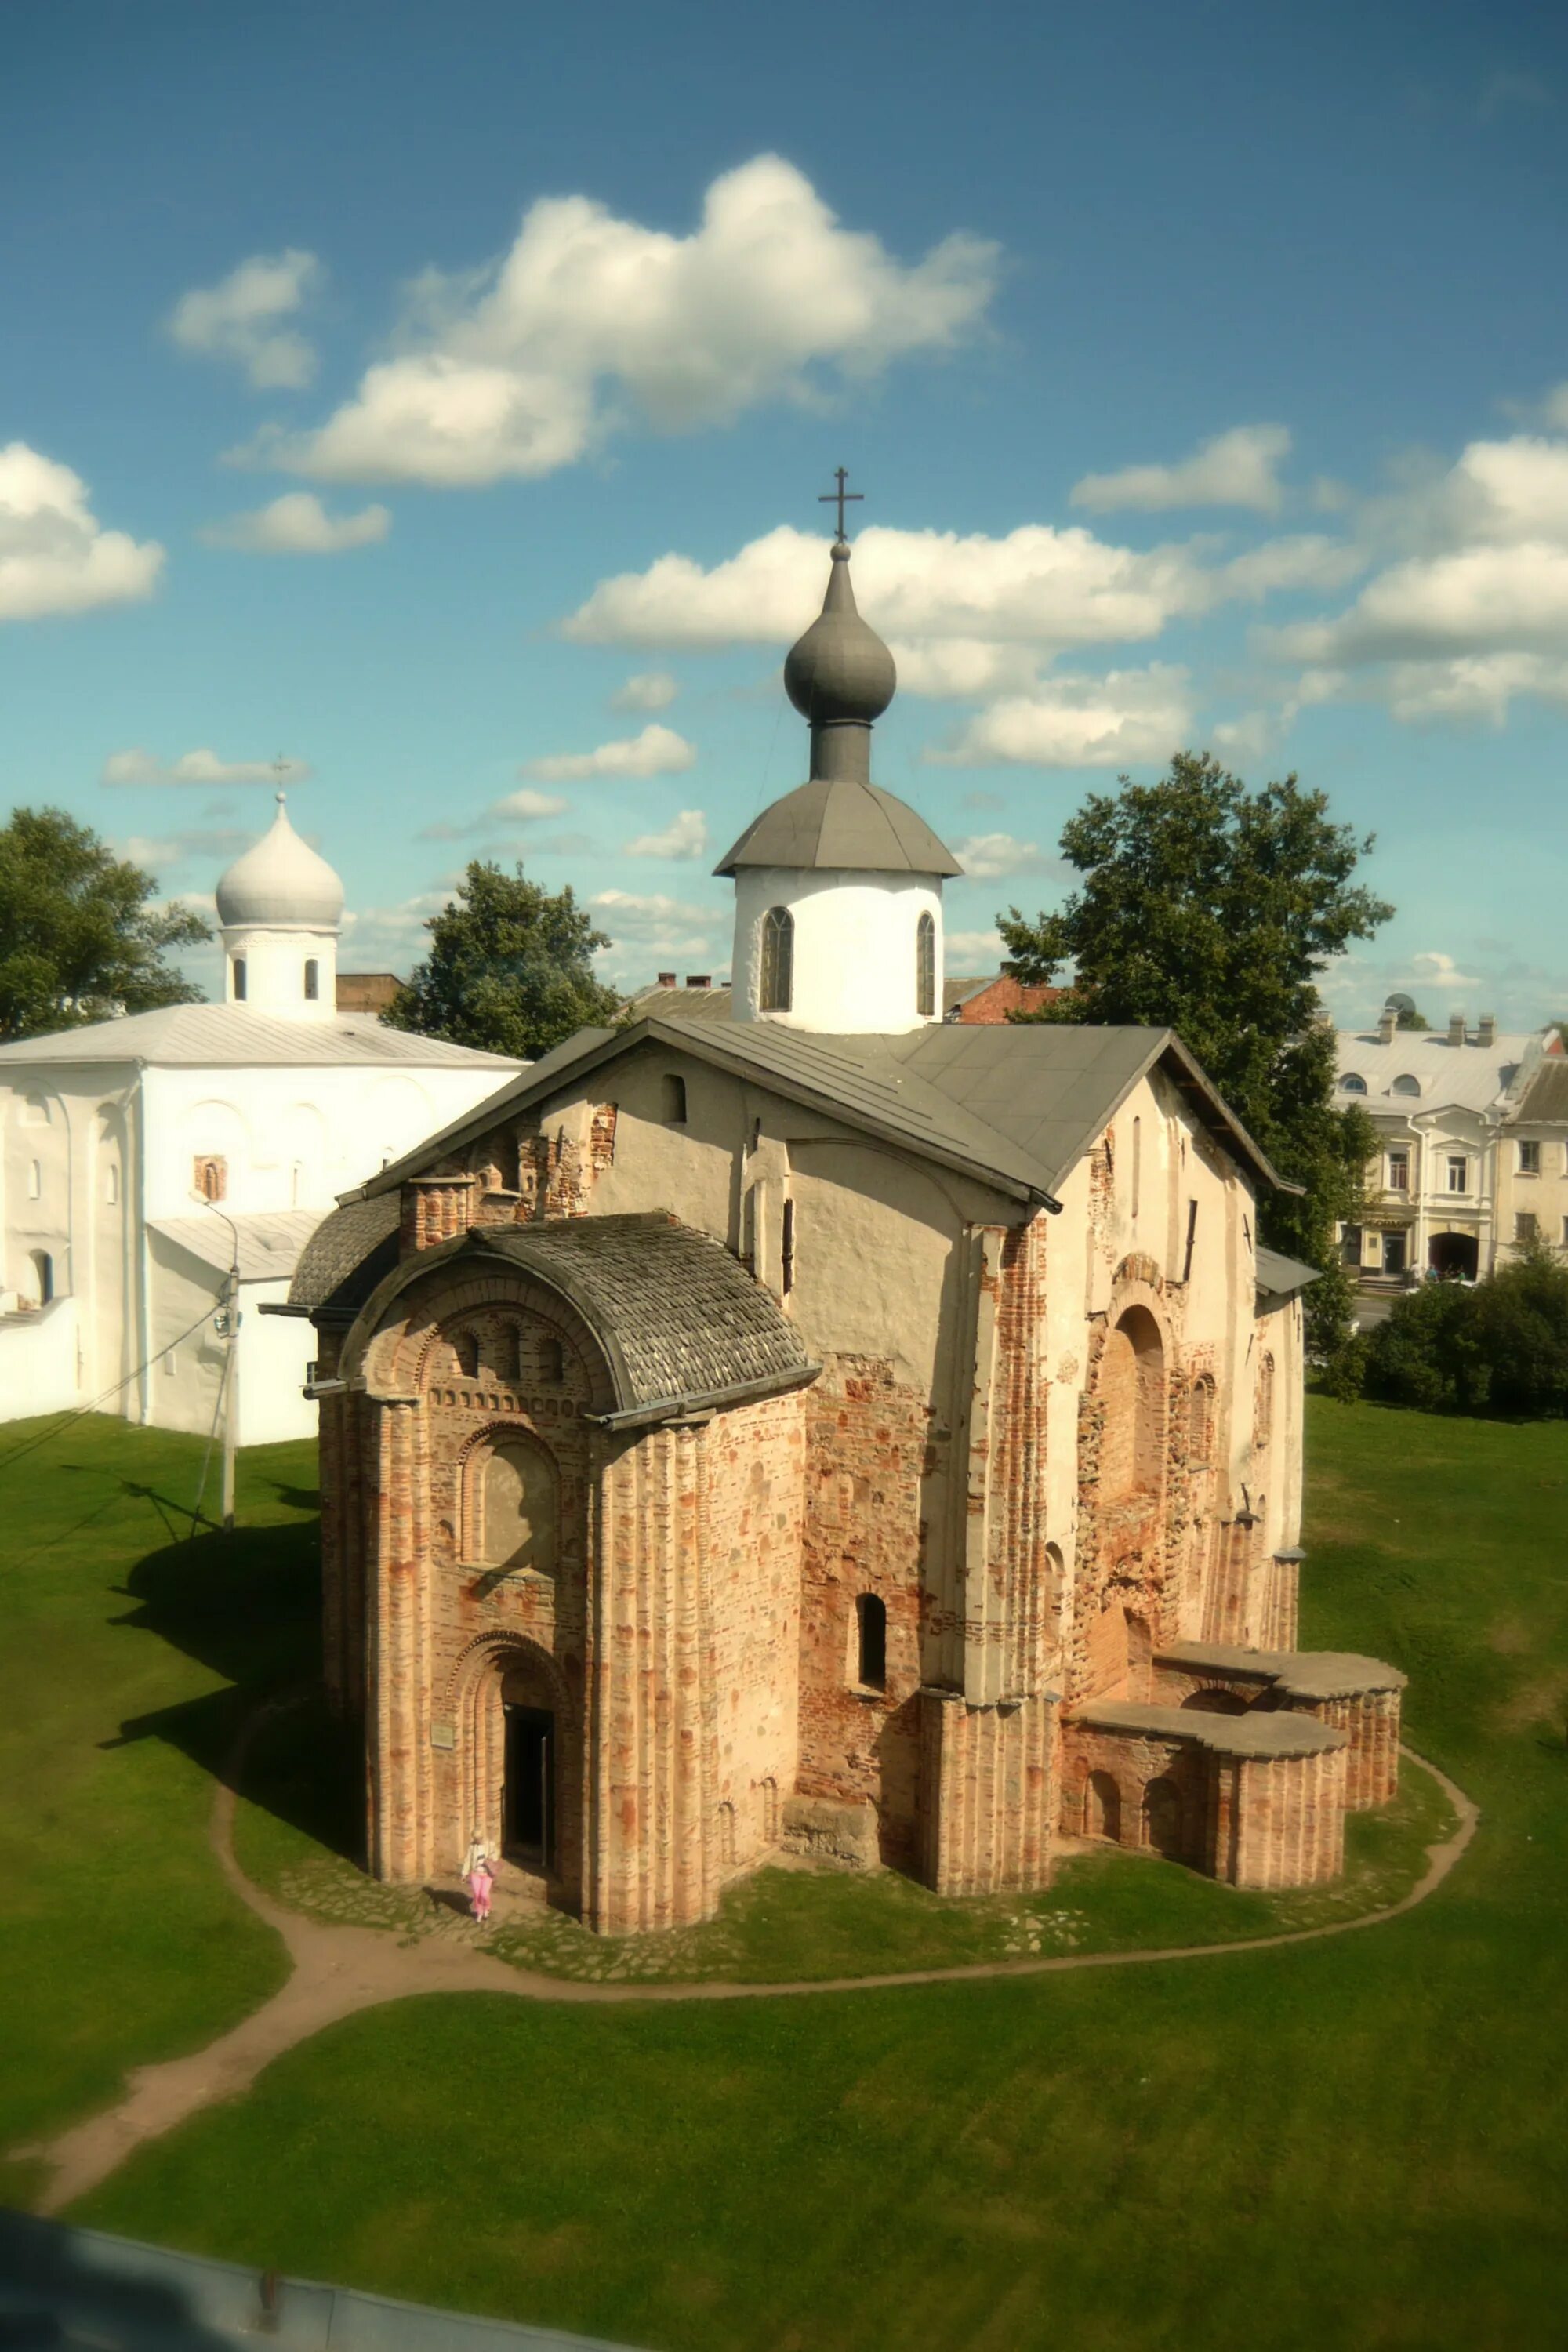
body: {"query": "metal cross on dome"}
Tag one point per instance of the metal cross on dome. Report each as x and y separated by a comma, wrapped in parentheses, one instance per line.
(840, 497)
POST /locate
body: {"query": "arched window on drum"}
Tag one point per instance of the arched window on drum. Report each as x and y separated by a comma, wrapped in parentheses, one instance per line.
(775, 982)
(925, 967)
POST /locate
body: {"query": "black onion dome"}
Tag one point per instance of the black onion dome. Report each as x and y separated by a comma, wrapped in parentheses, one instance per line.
(840, 670)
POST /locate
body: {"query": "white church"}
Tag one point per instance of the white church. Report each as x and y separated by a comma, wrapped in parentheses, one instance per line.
(146, 1158)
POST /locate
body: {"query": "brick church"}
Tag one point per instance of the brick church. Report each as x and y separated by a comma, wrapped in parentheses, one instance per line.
(795, 1420)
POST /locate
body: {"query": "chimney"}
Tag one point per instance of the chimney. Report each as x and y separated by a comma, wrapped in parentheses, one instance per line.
(666, 979)
(1387, 1022)
(1486, 1034)
(698, 980)
(1456, 1028)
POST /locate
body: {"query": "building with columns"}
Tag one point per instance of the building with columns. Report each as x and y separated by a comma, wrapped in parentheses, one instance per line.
(148, 1160)
(796, 1419)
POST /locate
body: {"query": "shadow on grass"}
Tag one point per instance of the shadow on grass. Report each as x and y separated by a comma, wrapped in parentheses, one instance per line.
(246, 1606)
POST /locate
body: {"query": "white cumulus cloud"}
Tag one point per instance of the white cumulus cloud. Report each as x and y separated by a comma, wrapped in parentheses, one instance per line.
(1238, 469)
(55, 555)
(656, 751)
(685, 836)
(1075, 721)
(588, 321)
(987, 857)
(299, 524)
(1472, 610)
(242, 319)
(1038, 586)
(646, 690)
(966, 953)
(199, 767)
(520, 808)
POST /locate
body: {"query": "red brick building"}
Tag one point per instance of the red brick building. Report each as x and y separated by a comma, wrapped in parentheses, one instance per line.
(799, 1419)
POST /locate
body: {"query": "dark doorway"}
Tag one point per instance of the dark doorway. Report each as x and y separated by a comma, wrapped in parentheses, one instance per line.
(1393, 1253)
(1453, 1256)
(529, 1835)
(1162, 1819)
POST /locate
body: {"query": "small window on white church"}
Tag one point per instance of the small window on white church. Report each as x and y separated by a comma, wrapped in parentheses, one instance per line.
(775, 988)
(672, 1089)
(209, 1176)
(237, 968)
(925, 967)
(111, 1183)
(872, 1631)
(35, 1180)
(312, 980)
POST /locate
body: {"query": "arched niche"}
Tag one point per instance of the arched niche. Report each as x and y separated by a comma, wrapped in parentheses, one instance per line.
(516, 1506)
(1132, 1387)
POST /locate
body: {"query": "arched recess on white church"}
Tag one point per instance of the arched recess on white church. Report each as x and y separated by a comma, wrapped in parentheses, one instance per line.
(397, 1115)
(303, 1151)
(212, 1130)
(110, 1320)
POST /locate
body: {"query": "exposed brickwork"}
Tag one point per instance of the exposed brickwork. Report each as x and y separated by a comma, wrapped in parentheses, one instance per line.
(990, 1774)
(866, 1450)
(1273, 1821)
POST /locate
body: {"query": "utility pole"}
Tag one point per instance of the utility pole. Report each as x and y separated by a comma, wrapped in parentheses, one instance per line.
(225, 1323)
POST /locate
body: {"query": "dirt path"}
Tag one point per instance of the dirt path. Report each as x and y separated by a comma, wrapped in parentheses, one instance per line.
(337, 1970)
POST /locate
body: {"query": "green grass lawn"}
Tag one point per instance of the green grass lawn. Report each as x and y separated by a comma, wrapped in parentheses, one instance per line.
(1355, 2142)
(124, 1652)
(780, 1926)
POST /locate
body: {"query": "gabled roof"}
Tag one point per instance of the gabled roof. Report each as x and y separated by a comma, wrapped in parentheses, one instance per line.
(1016, 1105)
(232, 1035)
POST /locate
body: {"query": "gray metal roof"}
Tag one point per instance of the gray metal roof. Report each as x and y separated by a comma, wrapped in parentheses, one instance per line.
(843, 826)
(1546, 1097)
(233, 1037)
(269, 1243)
(1016, 1105)
(1280, 1277)
(341, 1247)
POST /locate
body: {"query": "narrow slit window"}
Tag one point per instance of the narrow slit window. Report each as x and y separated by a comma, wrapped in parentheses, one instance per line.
(553, 1358)
(786, 1251)
(312, 980)
(673, 1089)
(1192, 1241)
(873, 1640)
(237, 968)
(925, 967)
(775, 988)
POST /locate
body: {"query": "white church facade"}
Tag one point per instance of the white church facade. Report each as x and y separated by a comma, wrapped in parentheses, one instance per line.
(144, 1158)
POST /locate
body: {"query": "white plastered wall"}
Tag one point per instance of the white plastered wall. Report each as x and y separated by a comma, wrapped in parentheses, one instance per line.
(855, 960)
(275, 961)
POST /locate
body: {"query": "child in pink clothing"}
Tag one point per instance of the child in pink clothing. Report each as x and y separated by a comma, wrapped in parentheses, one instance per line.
(481, 1878)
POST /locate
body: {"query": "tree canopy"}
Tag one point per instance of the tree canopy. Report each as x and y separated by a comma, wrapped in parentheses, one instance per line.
(80, 938)
(510, 967)
(1499, 1346)
(1213, 910)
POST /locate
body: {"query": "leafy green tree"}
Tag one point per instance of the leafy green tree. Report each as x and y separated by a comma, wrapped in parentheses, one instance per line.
(1412, 1017)
(1213, 910)
(1499, 1346)
(80, 938)
(509, 969)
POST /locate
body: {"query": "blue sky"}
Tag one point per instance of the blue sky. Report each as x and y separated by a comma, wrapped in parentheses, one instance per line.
(439, 397)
